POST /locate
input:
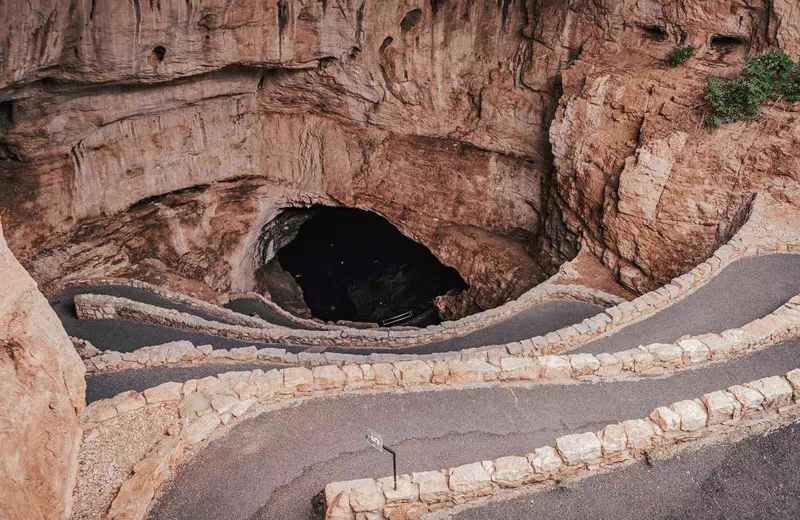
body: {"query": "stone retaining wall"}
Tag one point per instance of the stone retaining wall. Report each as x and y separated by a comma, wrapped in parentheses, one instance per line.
(304, 323)
(784, 322)
(175, 297)
(684, 421)
(98, 306)
(212, 402)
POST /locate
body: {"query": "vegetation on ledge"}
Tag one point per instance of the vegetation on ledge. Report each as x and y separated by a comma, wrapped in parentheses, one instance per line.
(770, 76)
(679, 55)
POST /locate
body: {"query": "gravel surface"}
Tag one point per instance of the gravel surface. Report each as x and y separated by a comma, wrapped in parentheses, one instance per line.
(270, 467)
(108, 453)
(756, 478)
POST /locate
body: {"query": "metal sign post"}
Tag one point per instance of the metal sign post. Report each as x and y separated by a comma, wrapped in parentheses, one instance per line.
(376, 441)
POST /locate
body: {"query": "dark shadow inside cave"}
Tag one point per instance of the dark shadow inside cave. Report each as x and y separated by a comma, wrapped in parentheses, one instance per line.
(354, 265)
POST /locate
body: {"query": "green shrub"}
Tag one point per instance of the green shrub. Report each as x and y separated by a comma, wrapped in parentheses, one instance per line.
(679, 55)
(770, 75)
(712, 122)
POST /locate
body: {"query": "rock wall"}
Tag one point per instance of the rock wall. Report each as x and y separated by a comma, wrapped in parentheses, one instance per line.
(42, 392)
(397, 107)
(637, 177)
(157, 138)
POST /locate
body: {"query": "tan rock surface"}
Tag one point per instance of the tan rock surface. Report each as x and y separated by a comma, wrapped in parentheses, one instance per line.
(42, 392)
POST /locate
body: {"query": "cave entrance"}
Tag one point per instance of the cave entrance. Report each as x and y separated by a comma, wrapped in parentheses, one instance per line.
(354, 265)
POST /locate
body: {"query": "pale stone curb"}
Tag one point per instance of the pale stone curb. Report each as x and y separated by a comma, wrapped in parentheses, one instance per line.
(685, 421)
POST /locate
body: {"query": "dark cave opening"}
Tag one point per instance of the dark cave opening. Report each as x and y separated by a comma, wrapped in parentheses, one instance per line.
(354, 265)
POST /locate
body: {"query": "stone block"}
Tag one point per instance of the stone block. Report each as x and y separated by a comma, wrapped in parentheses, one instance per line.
(666, 354)
(415, 372)
(555, 367)
(199, 430)
(693, 415)
(511, 472)
(470, 479)
(579, 448)
(666, 419)
(721, 405)
(164, 392)
(406, 490)
(222, 403)
(270, 353)
(384, 374)
(643, 361)
(241, 408)
(640, 433)
(776, 390)
(719, 347)
(613, 439)
(471, 371)
(518, 368)
(545, 460)
(365, 495)
(432, 486)
(194, 405)
(610, 365)
(128, 401)
(329, 377)
(583, 364)
(694, 351)
(794, 379)
(299, 378)
(750, 398)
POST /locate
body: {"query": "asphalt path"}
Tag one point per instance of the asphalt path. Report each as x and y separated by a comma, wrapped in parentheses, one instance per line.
(756, 478)
(743, 292)
(251, 307)
(271, 466)
(533, 321)
(103, 386)
(126, 336)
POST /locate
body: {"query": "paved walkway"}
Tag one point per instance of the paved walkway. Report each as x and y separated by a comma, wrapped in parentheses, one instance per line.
(271, 466)
(756, 478)
(744, 291)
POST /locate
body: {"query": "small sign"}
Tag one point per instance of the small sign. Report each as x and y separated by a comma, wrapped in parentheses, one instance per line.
(375, 440)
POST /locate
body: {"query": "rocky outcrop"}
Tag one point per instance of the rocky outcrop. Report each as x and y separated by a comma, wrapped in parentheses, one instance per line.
(396, 107)
(42, 392)
(648, 189)
(158, 138)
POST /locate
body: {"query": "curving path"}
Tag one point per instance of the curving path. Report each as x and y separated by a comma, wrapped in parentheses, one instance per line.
(126, 336)
(250, 307)
(755, 478)
(744, 291)
(271, 466)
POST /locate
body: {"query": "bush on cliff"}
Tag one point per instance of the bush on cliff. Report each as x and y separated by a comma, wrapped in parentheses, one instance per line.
(770, 76)
(679, 55)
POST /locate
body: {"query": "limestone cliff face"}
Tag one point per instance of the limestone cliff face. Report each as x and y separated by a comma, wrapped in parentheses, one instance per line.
(650, 191)
(412, 109)
(42, 392)
(157, 138)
